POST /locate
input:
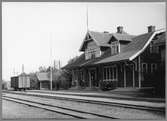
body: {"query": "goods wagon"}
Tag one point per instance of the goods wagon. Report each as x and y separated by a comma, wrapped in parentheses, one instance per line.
(21, 82)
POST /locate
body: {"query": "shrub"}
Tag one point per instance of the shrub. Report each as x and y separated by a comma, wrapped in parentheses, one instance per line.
(108, 85)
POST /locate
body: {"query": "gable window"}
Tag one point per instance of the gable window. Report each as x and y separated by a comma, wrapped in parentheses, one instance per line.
(144, 67)
(114, 47)
(91, 53)
(153, 67)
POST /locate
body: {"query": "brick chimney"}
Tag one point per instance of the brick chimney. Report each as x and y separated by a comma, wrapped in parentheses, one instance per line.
(120, 29)
(151, 28)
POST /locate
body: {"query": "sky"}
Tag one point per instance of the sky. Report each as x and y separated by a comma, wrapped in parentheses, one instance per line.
(37, 33)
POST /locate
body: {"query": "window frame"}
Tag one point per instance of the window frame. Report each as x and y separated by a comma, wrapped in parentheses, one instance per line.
(110, 70)
(115, 47)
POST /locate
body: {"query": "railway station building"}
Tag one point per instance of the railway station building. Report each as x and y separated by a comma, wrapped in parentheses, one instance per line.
(121, 58)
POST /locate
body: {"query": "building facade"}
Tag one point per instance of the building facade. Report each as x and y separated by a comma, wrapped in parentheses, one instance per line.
(120, 58)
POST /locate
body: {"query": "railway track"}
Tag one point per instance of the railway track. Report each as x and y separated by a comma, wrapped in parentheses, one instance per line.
(65, 111)
(58, 96)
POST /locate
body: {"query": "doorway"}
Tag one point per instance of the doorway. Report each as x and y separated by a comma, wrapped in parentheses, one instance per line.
(93, 78)
(129, 76)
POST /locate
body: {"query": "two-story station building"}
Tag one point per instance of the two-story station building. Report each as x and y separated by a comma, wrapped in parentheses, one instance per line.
(127, 60)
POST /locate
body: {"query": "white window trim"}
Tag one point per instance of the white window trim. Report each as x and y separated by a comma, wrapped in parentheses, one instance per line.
(115, 44)
(104, 76)
(92, 51)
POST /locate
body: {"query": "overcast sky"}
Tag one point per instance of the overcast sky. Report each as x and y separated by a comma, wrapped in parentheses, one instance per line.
(29, 30)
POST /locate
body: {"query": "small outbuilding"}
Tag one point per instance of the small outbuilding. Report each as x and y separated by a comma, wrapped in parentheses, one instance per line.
(44, 80)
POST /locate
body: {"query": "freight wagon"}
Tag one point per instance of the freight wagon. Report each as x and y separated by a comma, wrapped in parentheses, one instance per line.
(20, 82)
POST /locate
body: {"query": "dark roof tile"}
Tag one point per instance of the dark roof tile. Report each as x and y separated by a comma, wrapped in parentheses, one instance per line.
(129, 50)
(123, 36)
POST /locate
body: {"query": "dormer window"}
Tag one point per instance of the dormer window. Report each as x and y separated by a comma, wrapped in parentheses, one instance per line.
(115, 48)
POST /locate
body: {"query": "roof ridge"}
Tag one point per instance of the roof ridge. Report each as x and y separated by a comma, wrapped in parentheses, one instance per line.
(100, 31)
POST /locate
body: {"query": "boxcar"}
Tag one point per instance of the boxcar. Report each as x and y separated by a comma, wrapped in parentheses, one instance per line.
(21, 82)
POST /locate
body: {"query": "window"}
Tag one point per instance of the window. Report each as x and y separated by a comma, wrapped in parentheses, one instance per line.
(110, 73)
(144, 67)
(114, 72)
(105, 74)
(92, 53)
(153, 67)
(114, 47)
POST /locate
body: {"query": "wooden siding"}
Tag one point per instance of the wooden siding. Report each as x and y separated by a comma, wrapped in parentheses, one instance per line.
(92, 50)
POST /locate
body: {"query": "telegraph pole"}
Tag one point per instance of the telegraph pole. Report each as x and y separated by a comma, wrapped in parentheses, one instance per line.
(22, 68)
(51, 64)
(87, 22)
(59, 65)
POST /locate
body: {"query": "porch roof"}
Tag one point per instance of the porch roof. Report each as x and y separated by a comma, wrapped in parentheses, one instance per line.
(123, 36)
(81, 61)
(118, 57)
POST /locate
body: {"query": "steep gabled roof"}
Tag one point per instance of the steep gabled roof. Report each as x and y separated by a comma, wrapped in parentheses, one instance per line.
(100, 38)
(133, 49)
(138, 42)
(129, 50)
(146, 43)
(123, 36)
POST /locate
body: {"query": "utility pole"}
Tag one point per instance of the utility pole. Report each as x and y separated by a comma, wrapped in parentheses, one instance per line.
(22, 68)
(87, 22)
(54, 64)
(59, 65)
(51, 64)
